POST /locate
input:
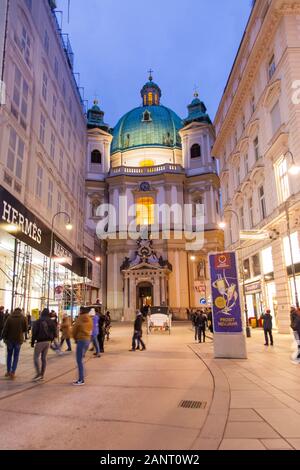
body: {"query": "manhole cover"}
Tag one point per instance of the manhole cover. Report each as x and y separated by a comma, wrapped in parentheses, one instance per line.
(193, 404)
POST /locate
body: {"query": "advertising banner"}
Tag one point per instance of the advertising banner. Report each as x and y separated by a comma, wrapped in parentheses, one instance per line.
(227, 315)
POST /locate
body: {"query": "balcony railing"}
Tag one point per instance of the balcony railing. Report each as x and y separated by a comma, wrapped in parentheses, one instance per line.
(150, 170)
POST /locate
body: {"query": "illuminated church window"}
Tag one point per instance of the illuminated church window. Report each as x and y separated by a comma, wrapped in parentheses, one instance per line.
(145, 211)
(150, 98)
(146, 163)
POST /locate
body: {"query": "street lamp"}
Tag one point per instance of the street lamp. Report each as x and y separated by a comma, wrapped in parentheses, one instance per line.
(69, 227)
(222, 225)
(294, 169)
(291, 252)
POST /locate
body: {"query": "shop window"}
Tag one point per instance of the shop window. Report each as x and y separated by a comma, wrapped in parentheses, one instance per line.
(267, 260)
(294, 247)
(256, 265)
(145, 211)
(96, 157)
(196, 151)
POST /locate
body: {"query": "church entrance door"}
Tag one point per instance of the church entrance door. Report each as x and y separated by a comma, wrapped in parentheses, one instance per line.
(144, 295)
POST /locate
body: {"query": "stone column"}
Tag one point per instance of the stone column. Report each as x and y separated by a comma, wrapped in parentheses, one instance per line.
(282, 287)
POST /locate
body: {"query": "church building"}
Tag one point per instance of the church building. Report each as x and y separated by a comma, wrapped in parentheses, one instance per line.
(152, 158)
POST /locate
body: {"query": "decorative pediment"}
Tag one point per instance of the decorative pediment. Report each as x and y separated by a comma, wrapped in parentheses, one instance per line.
(253, 127)
(272, 94)
(145, 258)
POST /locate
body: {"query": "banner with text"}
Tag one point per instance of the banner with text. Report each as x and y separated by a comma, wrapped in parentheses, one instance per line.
(226, 303)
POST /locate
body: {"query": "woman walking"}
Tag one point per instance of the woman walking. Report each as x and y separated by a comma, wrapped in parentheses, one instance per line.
(82, 331)
(65, 329)
(43, 332)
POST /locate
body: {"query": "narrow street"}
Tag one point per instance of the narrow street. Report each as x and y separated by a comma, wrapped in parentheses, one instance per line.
(131, 400)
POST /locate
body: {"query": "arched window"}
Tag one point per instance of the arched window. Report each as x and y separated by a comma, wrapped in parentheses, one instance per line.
(96, 157)
(147, 116)
(196, 151)
(145, 211)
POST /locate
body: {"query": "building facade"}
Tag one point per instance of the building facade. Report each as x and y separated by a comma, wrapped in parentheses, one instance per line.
(258, 146)
(150, 159)
(42, 158)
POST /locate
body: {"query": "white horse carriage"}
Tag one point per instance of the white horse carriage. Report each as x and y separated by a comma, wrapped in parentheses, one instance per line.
(159, 319)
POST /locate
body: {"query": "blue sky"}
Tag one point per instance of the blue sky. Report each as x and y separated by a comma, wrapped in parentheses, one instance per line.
(185, 42)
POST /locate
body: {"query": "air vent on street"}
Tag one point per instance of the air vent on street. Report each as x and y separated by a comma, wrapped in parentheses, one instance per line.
(193, 404)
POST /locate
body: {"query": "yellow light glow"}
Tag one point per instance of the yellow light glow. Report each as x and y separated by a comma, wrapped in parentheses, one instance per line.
(146, 163)
(145, 211)
(69, 227)
(11, 228)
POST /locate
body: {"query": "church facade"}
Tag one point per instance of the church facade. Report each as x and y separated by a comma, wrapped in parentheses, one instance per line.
(152, 169)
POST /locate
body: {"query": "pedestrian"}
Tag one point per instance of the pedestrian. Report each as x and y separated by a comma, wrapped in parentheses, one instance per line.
(101, 334)
(28, 318)
(138, 332)
(194, 317)
(210, 320)
(82, 331)
(43, 333)
(295, 325)
(201, 323)
(65, 329)
(268, 327)
(54, 344)
(13, 334)
(2, 320)
(107, 325)
(95, 333)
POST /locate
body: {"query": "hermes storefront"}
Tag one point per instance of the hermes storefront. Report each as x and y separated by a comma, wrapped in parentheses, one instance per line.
(25, 245)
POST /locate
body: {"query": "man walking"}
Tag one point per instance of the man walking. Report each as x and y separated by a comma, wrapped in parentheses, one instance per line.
(201, 323)
(13, 334)
(95, 333)
(295, 325)
(101, 334)
(82, 331)
(138, 333)
(268, 327)
(43, 333)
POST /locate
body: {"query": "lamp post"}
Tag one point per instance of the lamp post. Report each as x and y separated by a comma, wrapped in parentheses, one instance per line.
(68, 227)
(293, 170)
(222, 226)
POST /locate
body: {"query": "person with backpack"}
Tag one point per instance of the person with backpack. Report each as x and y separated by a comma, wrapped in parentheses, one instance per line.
(201, 323)
(13, 334)
(268, 327)
(43, 333)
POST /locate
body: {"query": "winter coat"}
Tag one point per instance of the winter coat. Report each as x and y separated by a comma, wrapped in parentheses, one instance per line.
(95, 331)
(3, 318)
(43, 330)
(14, 328)
(268, 321)
(201, 320)
(65, 328)
(82, 329)
(295, 321)
(138, 324)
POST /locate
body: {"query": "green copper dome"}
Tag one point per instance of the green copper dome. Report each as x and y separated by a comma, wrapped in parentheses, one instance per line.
(150, 125)
(147, 126)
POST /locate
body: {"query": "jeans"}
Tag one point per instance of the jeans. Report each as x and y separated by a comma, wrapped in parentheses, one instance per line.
(81, 349)
(201, 331)
(41, 351)
(268, 332)
(96, 343)
(137, 340)
(13, 352)
(68, 341)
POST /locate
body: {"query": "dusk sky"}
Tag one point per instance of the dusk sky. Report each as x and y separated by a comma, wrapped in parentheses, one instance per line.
(186, 43)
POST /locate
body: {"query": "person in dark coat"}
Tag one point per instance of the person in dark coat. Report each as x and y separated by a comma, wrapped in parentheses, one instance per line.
(3, 318)
(13, 334)
(138, 333)
(101, 334)
(201, 323)
(194, 317)
(295, 325)
(210, 321)
(268, 327)
(43, 333)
